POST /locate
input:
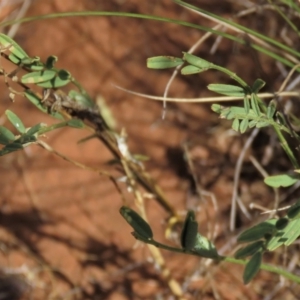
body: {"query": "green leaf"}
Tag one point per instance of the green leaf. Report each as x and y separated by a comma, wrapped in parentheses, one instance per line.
(140, 226)
(81, 99)
(281, 223)
(205, 248)
(252, 123)
(197, 61)
(6, 135)
(36, 128)
(227, 89)
(50, 62)
(294, 211)
(189, 70)
(246, 104)
(38, 77)
(13, 47)
(258, 231)
(56, 82)
(244, 125)
(249, 250)
(261, 124)
(271, 109)
(76, 123)
(189, 231)
(217, 108)
(285, 236)
(236, 125)
(35, 100)
(14, 119)
(283, 180)
(11, 148)
(258, 85)
(163, 62)
(254, 105)
(252, 267)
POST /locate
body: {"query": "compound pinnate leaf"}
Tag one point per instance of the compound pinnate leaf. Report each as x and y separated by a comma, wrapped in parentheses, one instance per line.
(252, 267)
(258, 231)
(249, 250)
(227, 89)
(163, 62)
(205, 247)
(294, 211)
(283, 180)
(258, 85)
(15, 120)
(189, 231)
(189, 70)
(38, 77)
(197, 61)
(140, 226)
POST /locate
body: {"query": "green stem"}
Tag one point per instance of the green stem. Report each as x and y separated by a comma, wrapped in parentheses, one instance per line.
(265, 267)
(286, 148)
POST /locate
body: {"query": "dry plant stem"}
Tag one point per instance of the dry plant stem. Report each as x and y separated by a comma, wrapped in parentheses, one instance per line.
(237, 173)
(14, 28)
(209, 99)
(252, 37)
(175, 72)
(82, 166)
(155, 252)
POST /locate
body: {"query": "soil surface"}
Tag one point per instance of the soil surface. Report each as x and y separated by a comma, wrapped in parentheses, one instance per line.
(62, 236)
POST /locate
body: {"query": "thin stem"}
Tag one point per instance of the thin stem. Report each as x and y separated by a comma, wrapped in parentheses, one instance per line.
(266, 267)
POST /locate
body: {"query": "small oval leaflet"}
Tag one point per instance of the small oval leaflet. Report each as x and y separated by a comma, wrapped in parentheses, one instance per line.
(189, 70)
(141, 227)
(283, 180)
(227, 89)
(281, 223)
(37, 77)
(249, 249)
(258, 85)
(197, 61)
(189, 231)
(163, 62)
(258, 231)
(15, 120)
(6, 135)
(205, 248)
(294, 211)
(252, 267)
